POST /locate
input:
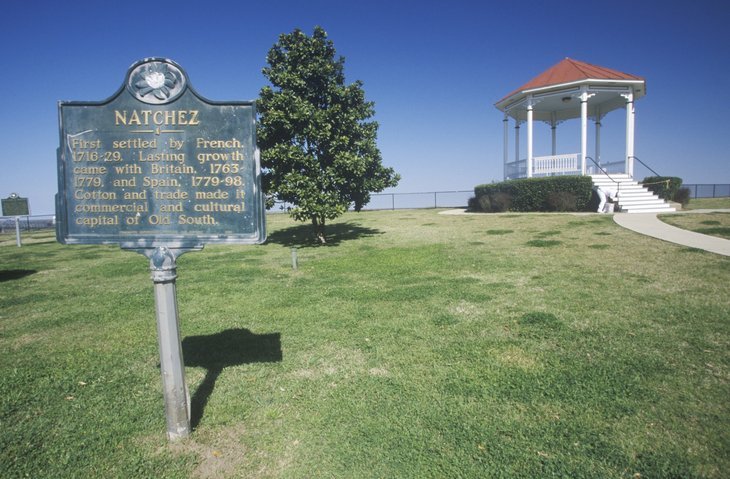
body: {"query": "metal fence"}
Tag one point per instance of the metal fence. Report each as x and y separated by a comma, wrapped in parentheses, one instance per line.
(405, 201)
(708, 190)
(27, 223)
(429, 199)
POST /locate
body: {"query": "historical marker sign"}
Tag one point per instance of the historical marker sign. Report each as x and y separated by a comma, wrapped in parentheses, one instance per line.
(14, 205)
(158, 165)
(160, 170)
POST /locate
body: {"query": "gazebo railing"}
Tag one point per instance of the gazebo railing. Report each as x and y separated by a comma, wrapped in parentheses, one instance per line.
(615, 167)
(515, 169)
(556, 164)
(565, 164)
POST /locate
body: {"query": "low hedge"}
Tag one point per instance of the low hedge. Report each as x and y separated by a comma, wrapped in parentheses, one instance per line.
(682, 196)
(665, 187)
(552, 193)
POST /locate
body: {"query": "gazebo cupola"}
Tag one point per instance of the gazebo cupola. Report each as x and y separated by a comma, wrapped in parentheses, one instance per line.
(568, 90)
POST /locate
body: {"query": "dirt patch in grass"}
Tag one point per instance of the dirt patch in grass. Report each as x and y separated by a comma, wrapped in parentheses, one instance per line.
(216, 459)
(466, 310)
(332, 360)
(518, 358)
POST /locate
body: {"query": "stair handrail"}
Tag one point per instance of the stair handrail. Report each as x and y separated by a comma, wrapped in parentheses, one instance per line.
(618, 184)
(665, 182)
(649, 167)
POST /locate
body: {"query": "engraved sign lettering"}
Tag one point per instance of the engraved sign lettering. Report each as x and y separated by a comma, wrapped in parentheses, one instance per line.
(157, 164)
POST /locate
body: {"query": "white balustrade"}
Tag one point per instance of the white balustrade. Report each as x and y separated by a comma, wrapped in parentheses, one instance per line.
(556, 164)
(515, 169)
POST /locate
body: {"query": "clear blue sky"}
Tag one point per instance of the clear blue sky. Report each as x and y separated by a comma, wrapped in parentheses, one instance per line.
(433, 68)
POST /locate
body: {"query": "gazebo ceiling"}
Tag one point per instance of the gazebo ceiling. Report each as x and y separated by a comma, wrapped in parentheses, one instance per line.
(555, 92)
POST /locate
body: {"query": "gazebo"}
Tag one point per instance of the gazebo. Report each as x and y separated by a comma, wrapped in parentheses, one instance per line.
(570, 89)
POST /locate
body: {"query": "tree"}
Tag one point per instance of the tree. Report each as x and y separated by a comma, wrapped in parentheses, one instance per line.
(318, 149)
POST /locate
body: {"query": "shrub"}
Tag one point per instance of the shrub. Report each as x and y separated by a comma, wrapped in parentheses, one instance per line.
(495, 203)
(500, 202)
(682, 196)
(472, 204)
(484, 204)
(561, 201)
(665, 187)
(594, 202)
(533, 194)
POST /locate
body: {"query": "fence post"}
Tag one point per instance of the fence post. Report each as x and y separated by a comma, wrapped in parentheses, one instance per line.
(392, 201)
(713, 190)
(435, 202)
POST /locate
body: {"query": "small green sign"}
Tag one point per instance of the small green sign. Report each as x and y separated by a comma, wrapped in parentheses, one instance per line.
(158, 165)
(14, 205)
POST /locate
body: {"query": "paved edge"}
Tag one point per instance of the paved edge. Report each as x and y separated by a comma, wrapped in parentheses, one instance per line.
(648, 224)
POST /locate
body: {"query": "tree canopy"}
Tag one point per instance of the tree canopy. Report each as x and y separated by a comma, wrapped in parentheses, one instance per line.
(318, 144)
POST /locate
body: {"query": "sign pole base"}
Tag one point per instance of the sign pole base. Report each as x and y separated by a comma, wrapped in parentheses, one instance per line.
(163, 267)
(17, 232)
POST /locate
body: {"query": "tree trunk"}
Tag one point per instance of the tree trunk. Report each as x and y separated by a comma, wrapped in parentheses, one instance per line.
(318, 223)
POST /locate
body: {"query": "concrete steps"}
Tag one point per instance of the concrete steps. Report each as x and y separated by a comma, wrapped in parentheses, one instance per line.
(632, 197)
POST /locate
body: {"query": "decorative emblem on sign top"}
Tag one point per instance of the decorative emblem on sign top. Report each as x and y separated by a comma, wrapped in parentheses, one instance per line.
(156, 82)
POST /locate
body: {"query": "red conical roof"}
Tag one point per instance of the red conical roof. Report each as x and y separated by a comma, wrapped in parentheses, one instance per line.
(569, 71)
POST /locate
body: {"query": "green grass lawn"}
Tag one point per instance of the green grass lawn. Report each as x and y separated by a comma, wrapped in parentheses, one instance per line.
(415, 345)
(705, 203)
(713, 224)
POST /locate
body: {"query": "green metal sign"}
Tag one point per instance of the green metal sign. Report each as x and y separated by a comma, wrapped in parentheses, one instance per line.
(156, 164)
(14, 205)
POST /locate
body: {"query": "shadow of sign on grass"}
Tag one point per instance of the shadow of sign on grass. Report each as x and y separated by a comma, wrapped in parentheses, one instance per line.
(215, 352)
(336, 233)
(11, 274)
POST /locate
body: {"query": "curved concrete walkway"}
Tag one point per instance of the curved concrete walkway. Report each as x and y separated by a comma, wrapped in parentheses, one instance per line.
(648, 224)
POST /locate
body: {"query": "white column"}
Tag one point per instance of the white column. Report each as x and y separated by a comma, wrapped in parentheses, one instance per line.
(629, 132)
(517, 144)
(553, 127)
(584, 96)
(506, 145)
(598, 135)
(529, 136)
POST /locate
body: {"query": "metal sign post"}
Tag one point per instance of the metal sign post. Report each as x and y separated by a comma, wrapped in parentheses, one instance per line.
(161, 171)
(17, 231)
(163, 266)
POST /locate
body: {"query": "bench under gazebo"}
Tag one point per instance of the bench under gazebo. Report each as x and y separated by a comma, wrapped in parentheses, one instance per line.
(572, 89)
